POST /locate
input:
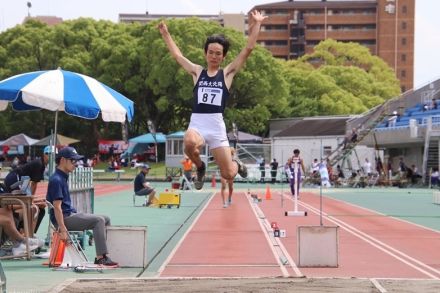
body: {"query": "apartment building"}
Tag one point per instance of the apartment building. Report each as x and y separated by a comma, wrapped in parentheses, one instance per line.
(385, 27)
(232, 20)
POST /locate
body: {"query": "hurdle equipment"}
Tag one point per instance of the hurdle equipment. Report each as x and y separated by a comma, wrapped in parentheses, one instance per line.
(296, 212)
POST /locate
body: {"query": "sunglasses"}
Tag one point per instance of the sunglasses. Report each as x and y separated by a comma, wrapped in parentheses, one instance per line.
(73, 161)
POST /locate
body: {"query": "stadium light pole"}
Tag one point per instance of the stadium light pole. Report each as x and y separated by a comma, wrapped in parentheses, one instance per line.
(29, 6)
(152, 130)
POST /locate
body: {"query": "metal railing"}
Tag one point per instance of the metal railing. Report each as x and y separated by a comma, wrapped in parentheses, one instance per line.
(82, 190)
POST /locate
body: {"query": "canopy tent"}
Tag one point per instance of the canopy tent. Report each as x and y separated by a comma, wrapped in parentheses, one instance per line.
(159, 137)
(61, 140)
(19, 139)
(178, 134)
(140, 144)
(135, 148)
(244, 137)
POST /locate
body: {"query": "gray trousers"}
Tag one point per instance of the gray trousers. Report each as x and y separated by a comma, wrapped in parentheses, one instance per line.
(97, 223)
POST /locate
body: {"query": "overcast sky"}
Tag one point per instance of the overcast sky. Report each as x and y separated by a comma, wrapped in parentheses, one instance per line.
(12, 12)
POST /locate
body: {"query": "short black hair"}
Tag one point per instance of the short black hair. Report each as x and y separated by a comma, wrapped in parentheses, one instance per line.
(296, 151)
(218, 38)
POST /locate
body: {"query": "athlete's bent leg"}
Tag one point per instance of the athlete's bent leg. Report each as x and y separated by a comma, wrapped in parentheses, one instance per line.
(193, 142)
(228, 168)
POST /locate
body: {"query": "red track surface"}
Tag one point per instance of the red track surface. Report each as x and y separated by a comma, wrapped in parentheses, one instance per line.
(230, 242)
(225, 243)
(100, 189)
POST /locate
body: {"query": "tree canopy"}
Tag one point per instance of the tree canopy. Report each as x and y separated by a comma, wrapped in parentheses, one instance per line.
(337, 78)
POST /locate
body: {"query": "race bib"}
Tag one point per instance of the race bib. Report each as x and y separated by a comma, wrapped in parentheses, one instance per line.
(210, 96)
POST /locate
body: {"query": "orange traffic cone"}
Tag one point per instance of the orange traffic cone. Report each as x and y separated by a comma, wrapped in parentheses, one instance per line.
(268, 193)
(213, 182)
(57, 250)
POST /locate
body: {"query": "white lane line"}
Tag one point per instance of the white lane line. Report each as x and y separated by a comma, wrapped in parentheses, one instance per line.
(225, 265)
(170, 256)
(284, 250)
(378, 286)
(381, 214)
(273, 242)
(375, 242)
(388, 247)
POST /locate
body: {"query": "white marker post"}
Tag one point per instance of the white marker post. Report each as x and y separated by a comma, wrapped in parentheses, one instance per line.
(295, 212)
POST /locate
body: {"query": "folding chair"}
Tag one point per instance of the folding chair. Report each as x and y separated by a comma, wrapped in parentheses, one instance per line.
(78, 237)
(187, 185)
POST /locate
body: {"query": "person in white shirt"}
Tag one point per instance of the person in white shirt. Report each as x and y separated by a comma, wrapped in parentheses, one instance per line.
(435, 177)
(393, 119)
(367, 167)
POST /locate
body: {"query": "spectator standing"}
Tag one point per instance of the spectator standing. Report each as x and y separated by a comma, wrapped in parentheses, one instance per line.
(367, 167)
(354, 135)
(274, 170)
(393, 119)
(389, 168)
(379, 166)
(402, 167)
(435, 177)
(187, 172)
(340, 172)
(262, 170)
(329, 170)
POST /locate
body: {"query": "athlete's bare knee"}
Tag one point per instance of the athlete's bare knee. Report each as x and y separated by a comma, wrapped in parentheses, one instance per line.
(227, 174)
(192, 152)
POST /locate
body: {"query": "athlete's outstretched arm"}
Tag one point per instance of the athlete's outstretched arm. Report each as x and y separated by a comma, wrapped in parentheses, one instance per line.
(189, 67)
(237, 64)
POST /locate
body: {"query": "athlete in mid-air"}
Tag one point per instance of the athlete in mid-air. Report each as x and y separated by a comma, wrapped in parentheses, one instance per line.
(211, 91)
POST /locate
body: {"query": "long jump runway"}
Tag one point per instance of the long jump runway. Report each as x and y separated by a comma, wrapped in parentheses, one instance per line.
(224, 242)
(237, 242)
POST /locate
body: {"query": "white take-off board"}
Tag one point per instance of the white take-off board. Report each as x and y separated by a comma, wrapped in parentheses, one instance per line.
(127, 245)
(436, 197)
(317, 246)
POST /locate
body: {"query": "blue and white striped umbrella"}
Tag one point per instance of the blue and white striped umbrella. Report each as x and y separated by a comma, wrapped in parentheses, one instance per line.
(61, 90)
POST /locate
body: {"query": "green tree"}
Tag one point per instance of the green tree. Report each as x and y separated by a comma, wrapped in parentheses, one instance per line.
(347, 80)
(133, 59)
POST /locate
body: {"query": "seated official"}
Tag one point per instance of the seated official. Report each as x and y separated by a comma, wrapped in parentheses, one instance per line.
(65, 217)
(142, 187)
